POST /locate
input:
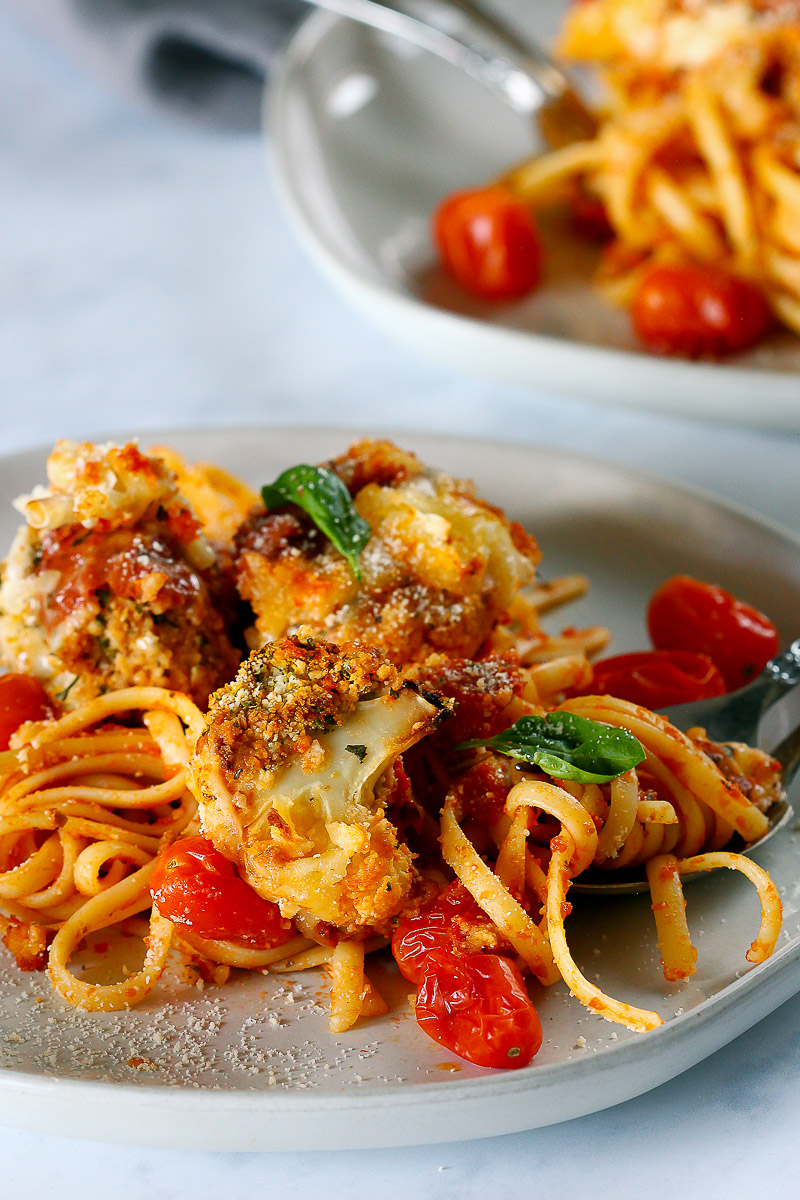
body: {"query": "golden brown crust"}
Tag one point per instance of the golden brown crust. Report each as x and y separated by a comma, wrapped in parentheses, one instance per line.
(295, 771)
(282, 697)
(439, 572)
(113, 584)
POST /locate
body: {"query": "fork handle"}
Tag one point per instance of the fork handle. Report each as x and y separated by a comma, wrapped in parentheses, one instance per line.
(781, 676)
(521, 74)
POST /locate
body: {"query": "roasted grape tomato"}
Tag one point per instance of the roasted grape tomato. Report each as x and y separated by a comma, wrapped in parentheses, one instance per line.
(477, 1006)
(686, 614)
(22, 698)
(438, 927)
(589, 218)
(196, 887)
(698, 312)
(489, 242)
(657, 678)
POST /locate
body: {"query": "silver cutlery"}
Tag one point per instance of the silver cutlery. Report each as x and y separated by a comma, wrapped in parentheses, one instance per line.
(516, 69)
(753, 714)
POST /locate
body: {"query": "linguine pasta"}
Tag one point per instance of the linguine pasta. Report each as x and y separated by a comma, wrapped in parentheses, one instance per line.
(697, 155)
(337, 783)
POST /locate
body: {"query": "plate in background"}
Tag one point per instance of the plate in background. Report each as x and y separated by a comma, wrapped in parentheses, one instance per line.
(367, 133)
(253, 1066)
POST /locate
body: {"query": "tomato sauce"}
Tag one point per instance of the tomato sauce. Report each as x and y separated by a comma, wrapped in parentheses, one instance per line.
(135, 566)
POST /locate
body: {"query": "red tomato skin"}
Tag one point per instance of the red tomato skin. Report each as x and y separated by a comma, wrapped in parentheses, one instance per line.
(478, 1007)
(489, 243)
(197, 888)
(698, 312)
(22, 698)
(589, 218)
(657, 678)
(434, 929)
(687, 614)
(474, 1004)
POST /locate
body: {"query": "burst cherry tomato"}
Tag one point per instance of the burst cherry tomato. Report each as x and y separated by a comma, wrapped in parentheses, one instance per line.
(438, 927)
(698, 311)
(689, 615)
(658, 678)
(474, 1004)
(489, 242)
(590, 218)
(477, 1006)
(22, 698)
(195, 886)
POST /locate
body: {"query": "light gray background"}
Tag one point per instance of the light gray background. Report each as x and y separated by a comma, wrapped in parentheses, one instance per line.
(147, 278)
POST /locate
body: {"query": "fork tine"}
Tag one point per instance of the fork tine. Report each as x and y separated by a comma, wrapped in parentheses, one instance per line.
(788, 755)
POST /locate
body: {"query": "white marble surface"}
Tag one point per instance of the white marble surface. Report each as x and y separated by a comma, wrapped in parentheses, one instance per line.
(148, 279)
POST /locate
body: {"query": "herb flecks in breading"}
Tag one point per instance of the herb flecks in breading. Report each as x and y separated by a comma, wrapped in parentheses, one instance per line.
(296, 769)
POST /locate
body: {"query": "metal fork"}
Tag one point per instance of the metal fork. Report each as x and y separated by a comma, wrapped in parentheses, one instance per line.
(754, 715)
(744, 716)
(519, 71)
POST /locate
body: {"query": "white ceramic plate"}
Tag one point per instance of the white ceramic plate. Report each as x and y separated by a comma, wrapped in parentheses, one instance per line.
(367, 134)
(252, 1065)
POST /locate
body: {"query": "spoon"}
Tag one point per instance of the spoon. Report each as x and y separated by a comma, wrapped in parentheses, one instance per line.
(753, 714)
(518, 71)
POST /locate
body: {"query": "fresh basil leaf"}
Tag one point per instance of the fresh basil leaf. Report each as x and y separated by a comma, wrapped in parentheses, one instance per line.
(359, 751)
(320, 492)
(567, 747)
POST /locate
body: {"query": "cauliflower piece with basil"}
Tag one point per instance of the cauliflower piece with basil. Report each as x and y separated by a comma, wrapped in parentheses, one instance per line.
(439, 570)
(295, 770)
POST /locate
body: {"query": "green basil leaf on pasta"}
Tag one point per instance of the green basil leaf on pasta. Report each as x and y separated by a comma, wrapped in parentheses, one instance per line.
(321, 494)
(567, 747)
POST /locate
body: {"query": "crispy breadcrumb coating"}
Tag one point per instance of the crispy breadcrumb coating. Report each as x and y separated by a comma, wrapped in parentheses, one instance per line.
(112, 583)
(440, 570)
(294, 772)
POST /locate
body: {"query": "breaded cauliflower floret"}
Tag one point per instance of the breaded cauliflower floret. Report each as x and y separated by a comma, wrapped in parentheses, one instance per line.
(295, 769)
(439, 571)
(111, 582)
(93, 483)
